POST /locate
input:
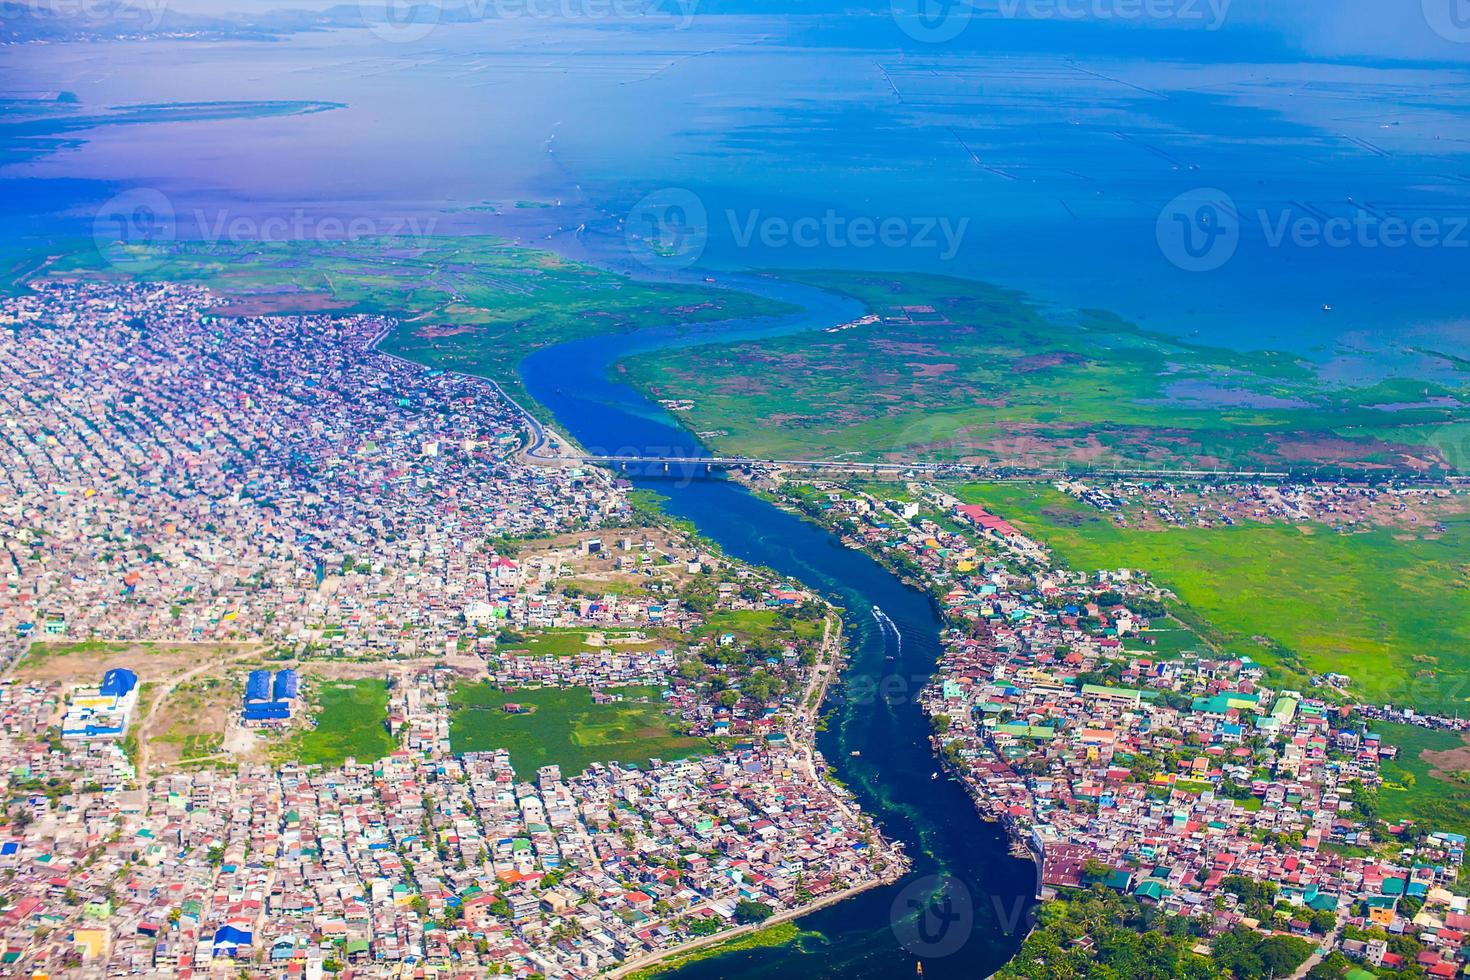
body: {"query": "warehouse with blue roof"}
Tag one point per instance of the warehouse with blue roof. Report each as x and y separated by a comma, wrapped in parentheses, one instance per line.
(285, 685)
(258, 686)
(267, 700)
(118, 682)
(101, 711)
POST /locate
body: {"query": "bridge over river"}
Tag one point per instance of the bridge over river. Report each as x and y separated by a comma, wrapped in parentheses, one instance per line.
(687, 464)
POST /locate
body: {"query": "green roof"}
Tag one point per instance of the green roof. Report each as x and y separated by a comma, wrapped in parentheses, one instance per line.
(1021, 730)
(1221, 703)
(1151, 889)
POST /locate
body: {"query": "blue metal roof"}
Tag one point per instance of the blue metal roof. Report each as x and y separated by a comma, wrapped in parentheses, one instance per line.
(262, 710)
(258, 686)
(286, 685)
(118, 682)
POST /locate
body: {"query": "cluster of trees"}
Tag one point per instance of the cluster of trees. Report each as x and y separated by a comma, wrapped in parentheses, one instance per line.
(1101, 934)
(749, 913)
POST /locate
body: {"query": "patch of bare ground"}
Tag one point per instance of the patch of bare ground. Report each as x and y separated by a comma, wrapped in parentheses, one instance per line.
(651, 554)
(1018, 442)
(908, 349)
(188, 726)
(1040, 362)
(273, 304)
(86, 662)
(436, 330)
(1446, 761)
(922, 370)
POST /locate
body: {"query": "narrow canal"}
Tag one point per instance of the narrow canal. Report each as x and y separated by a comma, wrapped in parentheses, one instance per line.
(962, 909)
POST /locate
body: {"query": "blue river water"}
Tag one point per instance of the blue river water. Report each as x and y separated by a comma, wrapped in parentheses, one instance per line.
(962, 908)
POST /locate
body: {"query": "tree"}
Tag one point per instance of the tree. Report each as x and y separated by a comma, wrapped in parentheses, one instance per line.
(703, 927)
(748, 912)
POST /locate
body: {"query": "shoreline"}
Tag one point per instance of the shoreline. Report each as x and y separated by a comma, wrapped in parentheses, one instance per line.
(900, 862)
(807, 714)
(652, 960)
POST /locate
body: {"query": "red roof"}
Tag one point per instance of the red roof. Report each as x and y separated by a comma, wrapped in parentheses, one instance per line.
(983, 518)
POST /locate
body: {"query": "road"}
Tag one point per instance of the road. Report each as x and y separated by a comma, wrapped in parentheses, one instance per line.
(162, 696)
(1330, 942)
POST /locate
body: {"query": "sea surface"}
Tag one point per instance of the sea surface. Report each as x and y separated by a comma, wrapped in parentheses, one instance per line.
(1068, 157)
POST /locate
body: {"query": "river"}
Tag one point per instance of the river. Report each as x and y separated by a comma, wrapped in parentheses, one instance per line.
(961, 909)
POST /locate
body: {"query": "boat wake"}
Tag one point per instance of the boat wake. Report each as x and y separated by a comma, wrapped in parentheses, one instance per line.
(887, 626)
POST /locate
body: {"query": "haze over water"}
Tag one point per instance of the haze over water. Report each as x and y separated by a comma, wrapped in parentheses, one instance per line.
(1037, 152)
(1034, 151)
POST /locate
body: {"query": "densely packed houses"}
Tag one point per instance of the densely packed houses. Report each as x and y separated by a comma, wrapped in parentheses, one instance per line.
(170, 474)
(422, 858)
(1168, 778)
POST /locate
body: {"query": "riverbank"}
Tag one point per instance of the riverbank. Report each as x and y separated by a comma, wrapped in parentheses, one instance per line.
(651, 962)
(876, 750)
(1021, 844)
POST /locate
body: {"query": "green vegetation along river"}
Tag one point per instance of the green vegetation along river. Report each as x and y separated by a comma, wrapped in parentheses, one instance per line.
(963, 908)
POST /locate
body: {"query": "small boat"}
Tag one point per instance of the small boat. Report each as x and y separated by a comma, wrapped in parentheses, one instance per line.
(933, 776)
(854, 753)
(919, 969)
(1326, 307)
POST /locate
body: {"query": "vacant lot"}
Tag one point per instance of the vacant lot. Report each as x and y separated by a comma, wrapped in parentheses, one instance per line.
(564, 727)
(1390, 610)
(571, 642)
(1430, 781)
(85, 662)
(763, 626)
(348, 720)
(189, 725)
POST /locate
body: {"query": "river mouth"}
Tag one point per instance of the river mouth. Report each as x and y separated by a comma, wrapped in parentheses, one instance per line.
(965, 906)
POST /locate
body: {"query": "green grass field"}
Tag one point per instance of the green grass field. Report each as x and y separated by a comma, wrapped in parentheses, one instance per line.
(1416, 789)
(350, 723)
(570, 642)
(781, 934)
(1392, 614)
(473, 303)
(985, 376)
(760, 625)
(553, 643)
(565, 728)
